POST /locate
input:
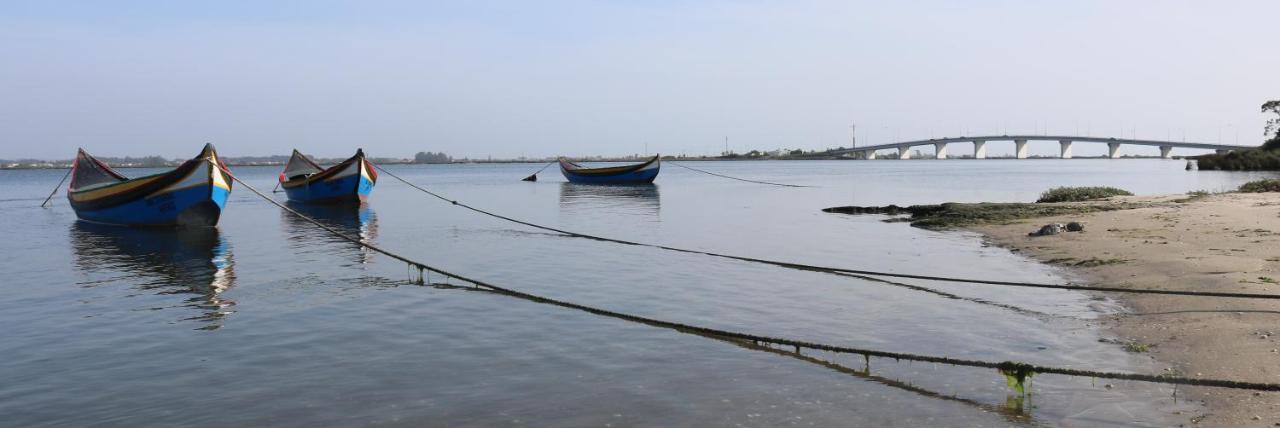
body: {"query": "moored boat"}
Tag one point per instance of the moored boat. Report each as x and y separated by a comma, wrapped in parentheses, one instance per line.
(640, 173)
(348, 182)
(191, 195)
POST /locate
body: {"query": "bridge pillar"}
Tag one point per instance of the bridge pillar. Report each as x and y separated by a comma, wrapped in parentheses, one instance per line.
(1021, 148)
(904, 153)
(979, 149)
(1066, 148)
(1222, 151)
(939, 150)
(1113, 150)
(869, 154)
(1166, 152)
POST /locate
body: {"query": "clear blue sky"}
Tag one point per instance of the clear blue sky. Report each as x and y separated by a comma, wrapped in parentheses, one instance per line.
(574, 78)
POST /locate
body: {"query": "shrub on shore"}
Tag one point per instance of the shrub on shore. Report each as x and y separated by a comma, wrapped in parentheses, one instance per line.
(1266, 157)
(1077, 194)
(1260, 186)
(1244, 160)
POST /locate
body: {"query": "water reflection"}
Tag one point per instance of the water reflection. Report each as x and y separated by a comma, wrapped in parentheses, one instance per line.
(355, 221)
(637, 199)
(196, 262)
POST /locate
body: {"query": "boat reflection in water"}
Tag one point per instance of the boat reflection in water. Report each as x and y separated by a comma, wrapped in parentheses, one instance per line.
(356, 221)
(190, 261)
(631, 199)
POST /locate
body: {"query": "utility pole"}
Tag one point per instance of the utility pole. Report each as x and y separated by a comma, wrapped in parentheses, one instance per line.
(853, 135)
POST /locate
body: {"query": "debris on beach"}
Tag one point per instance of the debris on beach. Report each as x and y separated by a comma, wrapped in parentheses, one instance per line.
(1048, 229)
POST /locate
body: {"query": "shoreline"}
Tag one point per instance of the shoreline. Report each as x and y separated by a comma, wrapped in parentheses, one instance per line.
(66, 164)
(1224, 242)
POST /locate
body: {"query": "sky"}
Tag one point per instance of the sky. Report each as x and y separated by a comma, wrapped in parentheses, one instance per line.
(509, 79)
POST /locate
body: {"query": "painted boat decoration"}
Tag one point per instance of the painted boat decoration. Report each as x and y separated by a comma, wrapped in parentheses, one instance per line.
(191, 195)
(348, 182)
(641, 173)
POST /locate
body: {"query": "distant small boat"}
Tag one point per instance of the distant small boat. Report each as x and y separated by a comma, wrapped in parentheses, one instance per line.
(191, 195)
(348, 182)
(640, 173)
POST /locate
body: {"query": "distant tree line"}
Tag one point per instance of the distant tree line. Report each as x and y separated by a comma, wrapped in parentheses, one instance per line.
(1266, 157)
(430, 157)
(128, 161)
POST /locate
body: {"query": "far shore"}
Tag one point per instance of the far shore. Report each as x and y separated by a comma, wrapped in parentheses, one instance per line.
(231, 161)
(1225, 242)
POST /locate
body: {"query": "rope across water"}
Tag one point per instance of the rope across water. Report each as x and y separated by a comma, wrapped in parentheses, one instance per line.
(1007, 367)
(534, 176)
(736, 178)
(56, 188)
(828, 269)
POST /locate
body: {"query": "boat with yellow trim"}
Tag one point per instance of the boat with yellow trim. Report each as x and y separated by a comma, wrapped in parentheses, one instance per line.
(641, 173)
(191, 195)
(348, 182)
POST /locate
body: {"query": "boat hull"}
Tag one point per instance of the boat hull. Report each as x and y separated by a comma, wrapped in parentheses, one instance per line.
(351, 183)
(191, 198)
(643, 173)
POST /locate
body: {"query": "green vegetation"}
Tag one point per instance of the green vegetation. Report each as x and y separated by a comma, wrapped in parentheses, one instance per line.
(1273, 125)
(1266, 157)
(1078, 194)
(1267, 279)
(1137, 347)
(1094, 262)
(1193, 196)
(429, 157)
(1244, 160)
(958, 214)
(1017, 375)
(1261, 186)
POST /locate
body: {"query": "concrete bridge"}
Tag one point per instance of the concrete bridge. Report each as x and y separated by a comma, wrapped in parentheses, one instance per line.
(1020, 146)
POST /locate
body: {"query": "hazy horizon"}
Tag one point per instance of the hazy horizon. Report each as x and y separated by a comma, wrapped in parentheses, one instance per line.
(612, 78)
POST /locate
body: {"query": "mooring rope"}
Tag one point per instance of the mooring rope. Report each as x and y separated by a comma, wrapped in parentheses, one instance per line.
(534, 176)
(835, 270)
(55, 188)
(736, 178)
(1010, 368)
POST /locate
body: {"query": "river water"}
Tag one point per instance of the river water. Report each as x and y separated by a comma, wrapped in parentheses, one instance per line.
(269, 320)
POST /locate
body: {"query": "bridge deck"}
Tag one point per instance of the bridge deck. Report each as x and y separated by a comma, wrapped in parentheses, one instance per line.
(1074, 139)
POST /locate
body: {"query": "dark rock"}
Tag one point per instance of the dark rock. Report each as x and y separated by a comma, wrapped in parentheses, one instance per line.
(886, 210)
(1075, 226)
(1048, 229)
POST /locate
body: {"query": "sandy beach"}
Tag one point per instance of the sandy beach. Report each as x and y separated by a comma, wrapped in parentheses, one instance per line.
(1226, 242)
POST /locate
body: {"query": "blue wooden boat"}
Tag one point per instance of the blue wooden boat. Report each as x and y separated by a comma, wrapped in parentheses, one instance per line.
(640, 173)
(191, 195)
(348, 182)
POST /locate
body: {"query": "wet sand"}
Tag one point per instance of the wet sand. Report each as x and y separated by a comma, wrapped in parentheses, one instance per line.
(1228, 242)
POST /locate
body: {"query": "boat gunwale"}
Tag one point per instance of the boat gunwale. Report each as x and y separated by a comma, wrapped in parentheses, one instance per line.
(327, 173)
(145, 186)
(570, 167)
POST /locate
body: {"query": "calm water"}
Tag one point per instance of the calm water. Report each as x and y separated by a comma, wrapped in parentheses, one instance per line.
(268, 320)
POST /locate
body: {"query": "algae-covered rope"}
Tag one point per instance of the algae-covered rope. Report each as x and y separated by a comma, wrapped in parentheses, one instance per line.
(827, 269)
(736, 178)
(1012, 368)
